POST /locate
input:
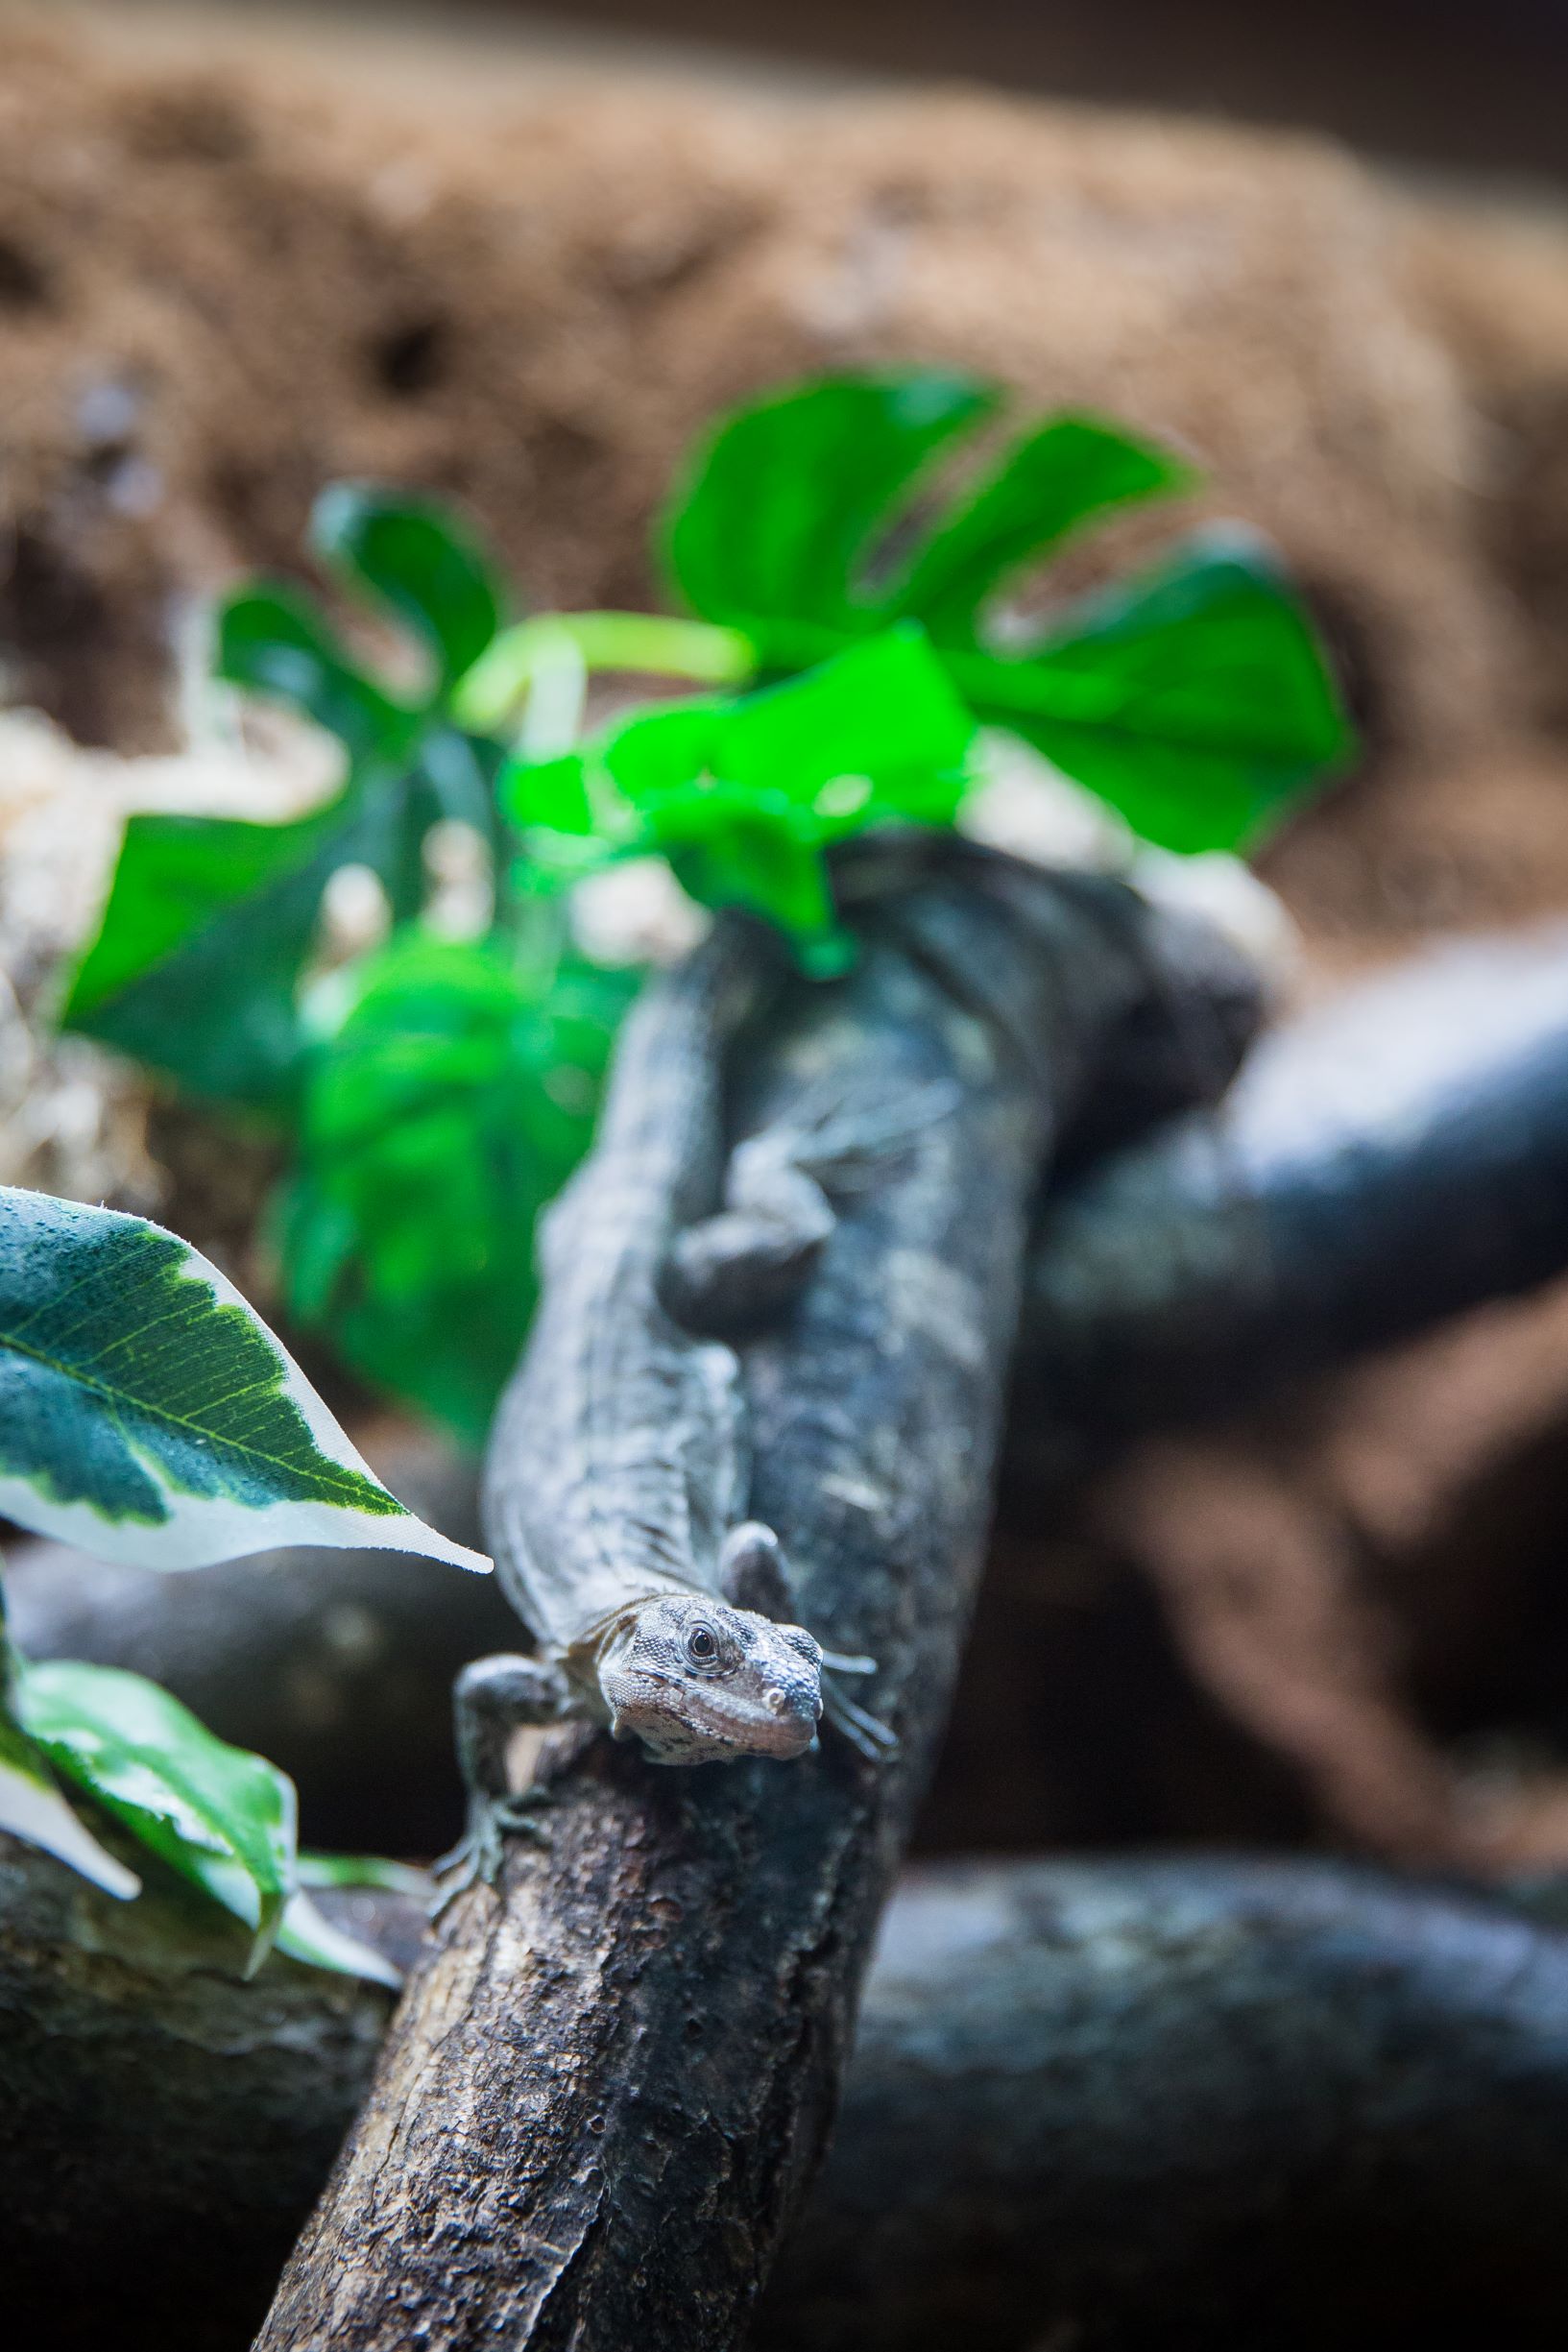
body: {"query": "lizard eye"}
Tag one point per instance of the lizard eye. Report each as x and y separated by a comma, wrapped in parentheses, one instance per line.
(702, 1646)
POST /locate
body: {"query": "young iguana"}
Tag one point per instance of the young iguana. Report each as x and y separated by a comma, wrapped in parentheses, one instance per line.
(617, 1467)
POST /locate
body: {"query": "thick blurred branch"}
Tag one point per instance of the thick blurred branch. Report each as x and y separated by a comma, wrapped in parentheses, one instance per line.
(1389, 1161)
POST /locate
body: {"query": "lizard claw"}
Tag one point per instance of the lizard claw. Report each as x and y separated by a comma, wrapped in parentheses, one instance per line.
(477, 1857)
(875, 1742)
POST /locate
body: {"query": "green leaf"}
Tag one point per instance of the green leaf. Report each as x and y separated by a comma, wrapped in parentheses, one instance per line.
(1205, 707)
(1061, 475)
(210, 923)
(221, 1817)
(148, 1415)
(744, 795)
(781, 504)
(307, 1935)
(318, 1870)
(276, 642)
(30, 1805)
(447, 1110)
(1197, 702)
(416, 559)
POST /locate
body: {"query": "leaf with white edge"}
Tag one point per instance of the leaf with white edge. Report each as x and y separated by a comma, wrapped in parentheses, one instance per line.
(32, 1810)
(222, 1818)
(148, 1415)
(307, 1936)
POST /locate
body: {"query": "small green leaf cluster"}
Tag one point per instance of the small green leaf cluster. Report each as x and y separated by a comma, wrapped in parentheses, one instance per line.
(851, 632)
(148, 1414)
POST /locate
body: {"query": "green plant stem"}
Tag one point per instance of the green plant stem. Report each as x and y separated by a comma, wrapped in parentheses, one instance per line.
(509, 669)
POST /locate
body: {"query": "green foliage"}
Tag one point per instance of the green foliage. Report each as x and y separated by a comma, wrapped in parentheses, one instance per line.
(146, 1411)
(221, 1817)
(211, 921)
(817, 538)
(1196, 701)
(450, 1106)
(218, 1817)
(30, 1805)
(744, 794)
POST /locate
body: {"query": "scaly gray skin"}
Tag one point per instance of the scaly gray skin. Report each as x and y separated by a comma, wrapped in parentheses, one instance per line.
(617, 1467)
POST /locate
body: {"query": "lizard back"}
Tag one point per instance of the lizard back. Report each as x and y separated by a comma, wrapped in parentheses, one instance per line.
(616, 1462)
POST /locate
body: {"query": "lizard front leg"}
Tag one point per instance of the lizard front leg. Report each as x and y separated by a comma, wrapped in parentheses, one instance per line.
(495, 1697)
(754, 1574)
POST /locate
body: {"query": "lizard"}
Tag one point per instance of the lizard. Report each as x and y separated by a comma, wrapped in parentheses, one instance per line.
(617, 1467)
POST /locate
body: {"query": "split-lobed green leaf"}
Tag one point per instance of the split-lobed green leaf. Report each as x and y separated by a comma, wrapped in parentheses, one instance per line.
(148, 1414)
(744, 794)
(211, 922)
(1196, 701)
(450, 1107)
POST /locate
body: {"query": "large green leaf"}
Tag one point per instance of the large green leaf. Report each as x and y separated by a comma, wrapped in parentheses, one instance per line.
(450, 1107)
(743, 796)
(220, 1816)
(416, 558)
(148, 1415)
(1204, 700)
(1198, 703)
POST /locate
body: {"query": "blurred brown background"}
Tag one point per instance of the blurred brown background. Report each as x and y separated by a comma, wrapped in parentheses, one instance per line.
(520, 258)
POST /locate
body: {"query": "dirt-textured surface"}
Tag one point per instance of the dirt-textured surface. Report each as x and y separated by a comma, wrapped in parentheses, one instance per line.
(220, 288)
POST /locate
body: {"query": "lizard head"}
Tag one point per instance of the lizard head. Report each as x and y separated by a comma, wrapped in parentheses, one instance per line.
(700, 1683)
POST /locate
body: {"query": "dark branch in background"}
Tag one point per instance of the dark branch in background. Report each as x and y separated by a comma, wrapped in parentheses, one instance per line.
(1191, 2101)
(604, 2099)
(1394, 1159)
(165, 2124)
(1152, 2098)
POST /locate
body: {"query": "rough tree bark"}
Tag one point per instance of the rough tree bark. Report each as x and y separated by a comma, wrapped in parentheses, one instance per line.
(1393, 1159)
(604, 2099)
(1351, 2092)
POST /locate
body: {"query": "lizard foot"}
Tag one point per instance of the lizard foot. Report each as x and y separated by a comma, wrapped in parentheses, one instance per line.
(875, 1742)
(477, 1857)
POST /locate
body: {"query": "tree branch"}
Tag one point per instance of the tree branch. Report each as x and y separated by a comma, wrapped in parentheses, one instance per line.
(1352, 2091)
(1396, 1158)
(1192, 2100)
(604, 2099)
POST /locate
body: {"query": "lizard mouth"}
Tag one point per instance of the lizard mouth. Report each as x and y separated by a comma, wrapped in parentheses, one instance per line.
(683, 1725)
